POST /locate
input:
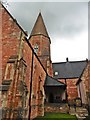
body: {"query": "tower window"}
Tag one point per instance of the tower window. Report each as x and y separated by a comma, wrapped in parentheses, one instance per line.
(36, 48)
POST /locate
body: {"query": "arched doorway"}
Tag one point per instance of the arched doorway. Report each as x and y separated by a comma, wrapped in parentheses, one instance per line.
(51, 98)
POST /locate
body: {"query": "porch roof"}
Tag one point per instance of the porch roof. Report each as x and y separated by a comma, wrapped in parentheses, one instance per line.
(50, 81)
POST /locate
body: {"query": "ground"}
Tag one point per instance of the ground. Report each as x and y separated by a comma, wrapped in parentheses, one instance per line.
(60, 116)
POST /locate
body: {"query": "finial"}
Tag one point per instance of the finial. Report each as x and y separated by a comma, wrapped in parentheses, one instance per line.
(39, 11)
(86, 60)
(67, 59)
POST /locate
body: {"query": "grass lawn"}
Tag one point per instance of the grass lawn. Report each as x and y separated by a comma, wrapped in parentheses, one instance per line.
(59, 116)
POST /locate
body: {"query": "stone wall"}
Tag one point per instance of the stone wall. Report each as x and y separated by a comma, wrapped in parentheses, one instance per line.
(85, 78)
(57, 108)
(85, 81)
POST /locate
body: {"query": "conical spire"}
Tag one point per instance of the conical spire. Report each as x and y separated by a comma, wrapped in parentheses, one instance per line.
(39, 27)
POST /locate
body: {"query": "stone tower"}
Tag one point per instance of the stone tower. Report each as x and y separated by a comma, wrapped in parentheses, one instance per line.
(40, 42)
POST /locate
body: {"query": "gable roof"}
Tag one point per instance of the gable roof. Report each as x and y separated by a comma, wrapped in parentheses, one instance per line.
(50, 81)
(69, 69)
(39, 27)
(84, 71)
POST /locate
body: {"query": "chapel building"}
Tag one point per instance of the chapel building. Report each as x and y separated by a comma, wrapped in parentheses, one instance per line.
(29, 78)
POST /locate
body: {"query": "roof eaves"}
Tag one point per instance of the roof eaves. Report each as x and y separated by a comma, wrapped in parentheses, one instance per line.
(83, 71)
(58, 82)
(42, 35)
(67, 77)
(69, 62)
(81, 75)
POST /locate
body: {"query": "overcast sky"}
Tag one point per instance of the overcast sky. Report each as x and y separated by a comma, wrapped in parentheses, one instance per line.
(66, 23)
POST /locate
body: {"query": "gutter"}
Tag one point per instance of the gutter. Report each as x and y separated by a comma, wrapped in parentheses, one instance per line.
(31, 86)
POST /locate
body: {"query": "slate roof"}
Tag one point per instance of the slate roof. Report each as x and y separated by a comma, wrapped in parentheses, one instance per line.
(39, 27)
(69, 69)
(52, 82)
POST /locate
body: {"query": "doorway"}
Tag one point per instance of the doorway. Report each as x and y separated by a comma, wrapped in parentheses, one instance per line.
(51, 98)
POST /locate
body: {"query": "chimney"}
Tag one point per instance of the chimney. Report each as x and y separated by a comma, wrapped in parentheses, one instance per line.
(67, 59)
(86, 60)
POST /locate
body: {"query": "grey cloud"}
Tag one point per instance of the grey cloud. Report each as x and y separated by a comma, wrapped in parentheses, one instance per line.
(64, 19)
(49, 0)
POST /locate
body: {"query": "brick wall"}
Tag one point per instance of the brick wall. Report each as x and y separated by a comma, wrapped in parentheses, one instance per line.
(0, 44)
(10, 38)
(37, 89)
(71, 88)
(43, 51)
(38, 77)
(12, 45)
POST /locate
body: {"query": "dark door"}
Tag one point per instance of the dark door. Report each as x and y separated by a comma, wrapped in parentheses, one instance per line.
(51, 98)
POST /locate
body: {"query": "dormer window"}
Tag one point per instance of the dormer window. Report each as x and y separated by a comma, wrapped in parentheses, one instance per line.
(56, 73)
(36, 48)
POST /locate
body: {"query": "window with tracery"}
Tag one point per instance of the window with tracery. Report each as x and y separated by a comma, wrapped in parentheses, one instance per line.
(22, 68)
(10, 67)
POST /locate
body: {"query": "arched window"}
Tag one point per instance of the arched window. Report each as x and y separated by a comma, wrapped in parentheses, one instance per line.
(36, 48)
